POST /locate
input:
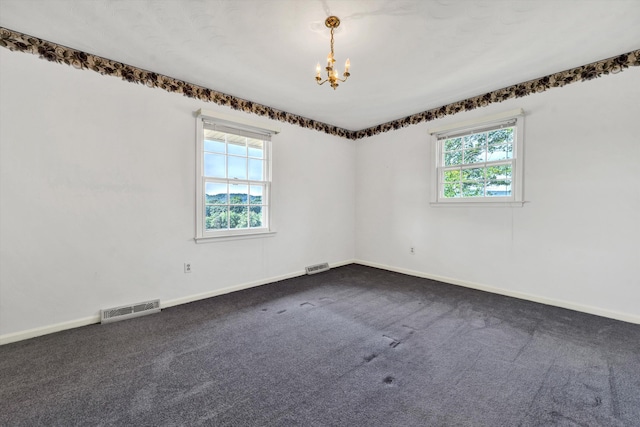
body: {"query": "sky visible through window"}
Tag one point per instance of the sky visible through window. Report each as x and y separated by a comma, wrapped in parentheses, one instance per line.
(244, 159)
(236, 183)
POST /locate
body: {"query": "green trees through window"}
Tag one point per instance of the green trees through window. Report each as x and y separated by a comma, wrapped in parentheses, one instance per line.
(478, 165)
(237, 214)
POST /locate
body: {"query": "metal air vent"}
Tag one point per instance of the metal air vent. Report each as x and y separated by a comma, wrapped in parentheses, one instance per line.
(109, 315)
(318, 268)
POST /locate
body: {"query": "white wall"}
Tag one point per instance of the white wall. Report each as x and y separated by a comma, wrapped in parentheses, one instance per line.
(574, 244)
(97, 199)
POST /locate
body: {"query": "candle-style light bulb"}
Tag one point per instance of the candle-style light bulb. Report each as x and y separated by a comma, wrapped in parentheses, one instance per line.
(347, 65)
(318, 70)
(329, 58)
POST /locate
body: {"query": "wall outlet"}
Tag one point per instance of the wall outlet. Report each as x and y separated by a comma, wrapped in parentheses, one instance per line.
(187, 267)
(412, 250)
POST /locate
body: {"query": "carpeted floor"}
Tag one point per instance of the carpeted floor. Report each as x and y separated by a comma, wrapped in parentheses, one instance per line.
(354, 346)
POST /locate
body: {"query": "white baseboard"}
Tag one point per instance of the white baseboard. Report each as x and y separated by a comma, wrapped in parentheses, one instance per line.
(197, 297)
(205, 295)
(44, 330)
(49, 329)
(625, 317)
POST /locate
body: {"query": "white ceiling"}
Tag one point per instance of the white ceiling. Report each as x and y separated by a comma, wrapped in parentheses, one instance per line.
(406, 56)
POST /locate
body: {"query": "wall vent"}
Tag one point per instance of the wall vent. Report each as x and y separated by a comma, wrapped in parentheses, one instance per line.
(318, 268)
(114, 314)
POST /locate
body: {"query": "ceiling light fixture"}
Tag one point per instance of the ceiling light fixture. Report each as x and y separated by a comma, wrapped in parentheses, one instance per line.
(332, 74)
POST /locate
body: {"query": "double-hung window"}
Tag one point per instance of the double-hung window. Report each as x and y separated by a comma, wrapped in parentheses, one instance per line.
(479, 162)
(234, 178)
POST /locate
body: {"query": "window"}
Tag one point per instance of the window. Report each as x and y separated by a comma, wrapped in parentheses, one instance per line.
(234, 178)
(479, 161)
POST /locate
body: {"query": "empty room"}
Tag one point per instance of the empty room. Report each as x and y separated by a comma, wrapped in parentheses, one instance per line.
(319, 212)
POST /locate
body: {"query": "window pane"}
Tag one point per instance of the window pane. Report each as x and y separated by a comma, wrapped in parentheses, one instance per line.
(237, 145)
(238, 216)
(452, 176)
(453, 158)
(452, 189)
(473, 174)
(256, 170)
(255, 216)
(500, 152)
(473, 189)
(238, 194)
(499, 172)
(256, 148)
(474, 155)
(499, 189)
(500, 136)
(216, 194)
(477, 140)
(452, 144)
(214, 165)
(237, 167)
(214, 146)
(256, 193)
(216, 217)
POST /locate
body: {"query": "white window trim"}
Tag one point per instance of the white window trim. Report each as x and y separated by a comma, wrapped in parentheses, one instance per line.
(202, 235)
(517, 198)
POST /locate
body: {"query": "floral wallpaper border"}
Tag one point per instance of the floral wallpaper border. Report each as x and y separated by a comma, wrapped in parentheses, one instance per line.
(63, 55)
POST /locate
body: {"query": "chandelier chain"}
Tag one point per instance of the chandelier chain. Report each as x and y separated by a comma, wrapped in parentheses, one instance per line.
(332, 43)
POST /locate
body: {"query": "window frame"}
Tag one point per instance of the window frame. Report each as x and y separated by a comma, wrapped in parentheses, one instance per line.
(229, 124)
(469, 127)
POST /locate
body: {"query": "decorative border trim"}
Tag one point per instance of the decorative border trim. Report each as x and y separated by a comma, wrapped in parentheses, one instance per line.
(578, 74)
(53, 52)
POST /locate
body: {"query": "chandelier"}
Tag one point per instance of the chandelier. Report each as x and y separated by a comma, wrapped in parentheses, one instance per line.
(332, 73)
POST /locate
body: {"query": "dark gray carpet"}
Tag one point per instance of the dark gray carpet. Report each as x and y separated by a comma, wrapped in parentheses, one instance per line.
(355, 346)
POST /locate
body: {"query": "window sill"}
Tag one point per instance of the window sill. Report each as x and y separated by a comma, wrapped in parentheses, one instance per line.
(495, 204)
(239, 236)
